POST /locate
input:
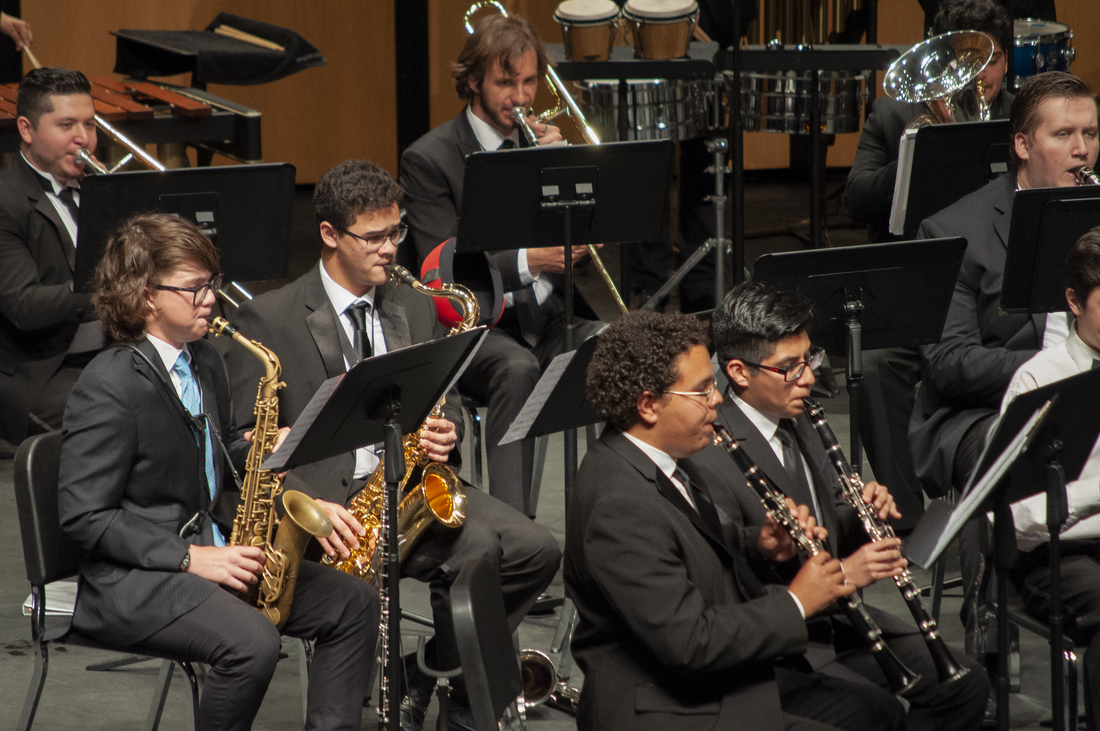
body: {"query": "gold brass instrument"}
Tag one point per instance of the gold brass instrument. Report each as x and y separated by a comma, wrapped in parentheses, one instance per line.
(256, 524)
(900, 678)
(941, 73)
(852, 488)
(564, 102)
(440, 495)
(1087, 176)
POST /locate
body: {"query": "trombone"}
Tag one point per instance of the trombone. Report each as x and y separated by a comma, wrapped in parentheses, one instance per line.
(564, 103)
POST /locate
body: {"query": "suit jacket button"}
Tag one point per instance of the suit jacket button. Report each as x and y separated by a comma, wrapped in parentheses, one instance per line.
(80, 312)
(344, 481)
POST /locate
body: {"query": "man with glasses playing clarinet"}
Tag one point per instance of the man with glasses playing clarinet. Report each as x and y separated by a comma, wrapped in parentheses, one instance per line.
(761, 336)
(675, 630)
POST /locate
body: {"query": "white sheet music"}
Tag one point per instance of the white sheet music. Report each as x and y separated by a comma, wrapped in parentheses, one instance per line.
(901, 182)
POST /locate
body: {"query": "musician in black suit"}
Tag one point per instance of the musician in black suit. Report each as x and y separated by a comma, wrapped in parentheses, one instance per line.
(47, 332)
(499, 68)
(890, 375)
(1054, 126)
(140, 469)
(675, 631)
(762, 340)
(309, 323)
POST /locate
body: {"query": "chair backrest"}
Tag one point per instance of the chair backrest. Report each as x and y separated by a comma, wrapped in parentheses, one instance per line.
(489, 663)
(48, 553)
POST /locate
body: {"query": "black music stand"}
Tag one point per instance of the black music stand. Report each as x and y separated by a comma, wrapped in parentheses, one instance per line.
(1046, 222)
(379, 400)
(1057, 456)
(868, 297)
(567, 196)
(978, 151)
(223, 201)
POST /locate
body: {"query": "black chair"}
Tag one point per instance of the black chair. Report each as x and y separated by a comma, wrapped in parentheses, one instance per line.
(488, 657)
(50, 556)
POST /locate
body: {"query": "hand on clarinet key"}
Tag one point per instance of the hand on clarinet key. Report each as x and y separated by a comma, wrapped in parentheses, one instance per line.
(776, 544)
(231, 566)
(346, 530)
(439, 439)
(819, 583)
(877, 495)
(874, 561)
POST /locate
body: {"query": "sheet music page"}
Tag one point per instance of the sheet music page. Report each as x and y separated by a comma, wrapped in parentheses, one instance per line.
(901, 182)
(277, 460)
(539, 396)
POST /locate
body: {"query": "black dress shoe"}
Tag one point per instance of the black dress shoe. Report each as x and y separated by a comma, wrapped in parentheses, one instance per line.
(414, 706)
(546, 604)
(459, 718)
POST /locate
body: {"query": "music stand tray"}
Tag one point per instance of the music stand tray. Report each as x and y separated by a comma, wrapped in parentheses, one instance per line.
(224, 201)
(1046, 223)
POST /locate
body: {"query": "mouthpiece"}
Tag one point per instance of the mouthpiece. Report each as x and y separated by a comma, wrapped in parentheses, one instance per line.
(84, 158)
(1087, 176)
(221, 326)
(400, 273)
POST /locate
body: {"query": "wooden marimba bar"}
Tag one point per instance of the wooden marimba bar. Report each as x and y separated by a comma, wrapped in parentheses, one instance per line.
(149, 113)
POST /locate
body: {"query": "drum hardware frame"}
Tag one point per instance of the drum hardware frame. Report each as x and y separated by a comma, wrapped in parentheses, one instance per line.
(719, 147)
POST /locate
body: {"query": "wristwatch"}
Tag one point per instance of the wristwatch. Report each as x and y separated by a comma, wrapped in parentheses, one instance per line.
(186, 560)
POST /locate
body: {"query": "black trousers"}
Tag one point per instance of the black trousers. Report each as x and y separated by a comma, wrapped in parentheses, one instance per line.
(242, 647)
(820, 702)
(526, 554)
(1080, 601)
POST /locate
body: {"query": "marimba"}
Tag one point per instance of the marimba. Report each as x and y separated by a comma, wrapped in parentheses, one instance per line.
(151, 113)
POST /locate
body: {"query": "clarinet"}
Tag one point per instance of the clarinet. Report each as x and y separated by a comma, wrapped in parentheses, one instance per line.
(900, 678)
(852, 487)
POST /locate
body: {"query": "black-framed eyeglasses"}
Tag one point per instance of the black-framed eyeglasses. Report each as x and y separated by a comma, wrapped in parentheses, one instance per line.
(198, 293)
(707, 395)
(794, 371)
(377, 241)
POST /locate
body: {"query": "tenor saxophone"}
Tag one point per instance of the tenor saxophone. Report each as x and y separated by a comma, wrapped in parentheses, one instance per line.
(440, 496)
(256, 523)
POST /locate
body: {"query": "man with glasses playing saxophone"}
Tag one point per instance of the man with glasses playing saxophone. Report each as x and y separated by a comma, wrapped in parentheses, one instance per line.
(343, 309)
(761, 336)
(675, 630)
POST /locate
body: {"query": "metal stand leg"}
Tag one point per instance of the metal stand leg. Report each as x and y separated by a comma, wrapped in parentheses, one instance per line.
(164, 682)
(718, 146)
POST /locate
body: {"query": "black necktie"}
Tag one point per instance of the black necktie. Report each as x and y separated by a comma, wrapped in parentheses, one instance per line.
(507, 145)
(792, 461)
(359, 312)
(702, 501)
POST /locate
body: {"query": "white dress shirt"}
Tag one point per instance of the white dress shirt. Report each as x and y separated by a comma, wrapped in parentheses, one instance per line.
(1069, 358)
(366, 458)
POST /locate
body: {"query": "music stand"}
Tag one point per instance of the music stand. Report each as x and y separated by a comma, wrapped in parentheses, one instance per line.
(1046, 222)
(379, 400)
(868, 297)
(978, 151)
(564, 195)
(1056, 457)
(223, 201)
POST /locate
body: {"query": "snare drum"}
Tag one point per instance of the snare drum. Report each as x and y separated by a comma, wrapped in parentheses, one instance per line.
(657, 109)
(1039, 46)
(588, 28)
(662, 28)
(780, 102)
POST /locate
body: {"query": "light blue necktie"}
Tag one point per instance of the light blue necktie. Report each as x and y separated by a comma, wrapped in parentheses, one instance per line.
(192, 401)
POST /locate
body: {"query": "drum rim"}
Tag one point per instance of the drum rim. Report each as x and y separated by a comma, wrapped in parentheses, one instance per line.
(611, 14)
(1035, 40)
(666, 16)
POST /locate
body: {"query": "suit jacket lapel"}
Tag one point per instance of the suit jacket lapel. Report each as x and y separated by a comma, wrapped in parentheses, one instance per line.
(44, 206)
(664, 486)
(323, 326)
(395, 325)
(1002, 219)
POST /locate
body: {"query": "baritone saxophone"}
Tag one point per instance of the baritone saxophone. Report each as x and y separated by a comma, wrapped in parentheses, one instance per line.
(257, 524)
